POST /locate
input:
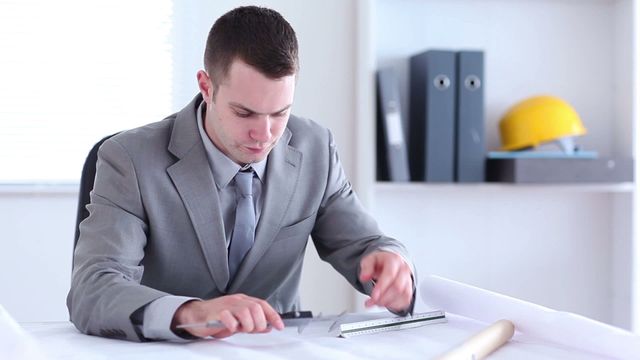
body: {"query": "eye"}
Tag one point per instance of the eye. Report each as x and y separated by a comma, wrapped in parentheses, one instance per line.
(243, 115)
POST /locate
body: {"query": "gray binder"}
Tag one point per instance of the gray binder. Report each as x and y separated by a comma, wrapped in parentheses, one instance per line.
(392, 160)
(432, 116)
(470, 147)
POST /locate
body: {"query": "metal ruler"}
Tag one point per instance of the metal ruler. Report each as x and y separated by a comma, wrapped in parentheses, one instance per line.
(388, 324)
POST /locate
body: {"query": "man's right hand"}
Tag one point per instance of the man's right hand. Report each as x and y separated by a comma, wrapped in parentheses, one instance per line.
(238, 313)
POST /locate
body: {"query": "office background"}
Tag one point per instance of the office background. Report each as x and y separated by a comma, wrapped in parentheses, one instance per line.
(571, 247)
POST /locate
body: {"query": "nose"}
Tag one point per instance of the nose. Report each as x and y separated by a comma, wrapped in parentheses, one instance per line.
(261, 131)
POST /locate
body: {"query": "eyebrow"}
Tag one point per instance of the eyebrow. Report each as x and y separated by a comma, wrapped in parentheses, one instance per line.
(244, 108)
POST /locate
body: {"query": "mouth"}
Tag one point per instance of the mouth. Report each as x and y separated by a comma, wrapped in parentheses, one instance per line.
(256, 150)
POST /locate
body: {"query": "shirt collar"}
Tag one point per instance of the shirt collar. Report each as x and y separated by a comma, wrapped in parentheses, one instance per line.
(223, 168)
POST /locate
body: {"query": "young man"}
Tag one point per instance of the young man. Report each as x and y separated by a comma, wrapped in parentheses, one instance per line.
(206, 214)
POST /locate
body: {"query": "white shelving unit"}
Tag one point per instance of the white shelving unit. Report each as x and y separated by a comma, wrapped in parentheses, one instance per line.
(572, 247)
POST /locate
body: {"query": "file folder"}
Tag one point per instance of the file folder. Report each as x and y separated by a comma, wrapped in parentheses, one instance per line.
(470, 146)
(393, 164)
(432, 116)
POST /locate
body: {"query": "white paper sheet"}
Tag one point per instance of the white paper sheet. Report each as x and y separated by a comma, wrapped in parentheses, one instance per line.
(61, 340)
(15, 343)
(533, 320)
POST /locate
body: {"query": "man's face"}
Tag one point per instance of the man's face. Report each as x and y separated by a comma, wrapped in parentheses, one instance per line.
(249, 112)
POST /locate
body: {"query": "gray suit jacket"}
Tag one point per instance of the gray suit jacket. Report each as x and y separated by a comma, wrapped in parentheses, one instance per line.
(155, 226)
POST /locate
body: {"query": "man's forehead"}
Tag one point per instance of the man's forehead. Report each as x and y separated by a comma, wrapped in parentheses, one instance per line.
(239, 68)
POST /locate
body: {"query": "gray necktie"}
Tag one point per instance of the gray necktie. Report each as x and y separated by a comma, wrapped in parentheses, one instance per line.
(245, 225)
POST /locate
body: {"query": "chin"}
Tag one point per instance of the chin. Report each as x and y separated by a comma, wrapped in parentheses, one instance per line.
(250, 159)
(258, 159)
(253, 158)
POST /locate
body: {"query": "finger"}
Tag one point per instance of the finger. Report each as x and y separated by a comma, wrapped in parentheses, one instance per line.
(268, 329)
(404, 301)
(396, 292)
(201, 333)
(259, 319)
(246, 320)
(392, 293)
(206, 332)
(369, 303)
(388, 273)
(229, 321)
(271, 315)
(367, 267)
(405, 297)
(222, 334)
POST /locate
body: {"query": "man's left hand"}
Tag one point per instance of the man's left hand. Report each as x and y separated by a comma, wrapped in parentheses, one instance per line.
(393, 282)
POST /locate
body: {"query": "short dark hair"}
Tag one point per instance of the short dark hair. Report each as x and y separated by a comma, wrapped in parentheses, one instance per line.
(260, 37)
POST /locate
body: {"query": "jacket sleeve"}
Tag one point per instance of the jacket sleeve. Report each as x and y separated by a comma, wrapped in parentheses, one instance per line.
(344, 232)
(105, 289)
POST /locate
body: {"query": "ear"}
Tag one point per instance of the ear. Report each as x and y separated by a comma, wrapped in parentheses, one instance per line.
(206, 86)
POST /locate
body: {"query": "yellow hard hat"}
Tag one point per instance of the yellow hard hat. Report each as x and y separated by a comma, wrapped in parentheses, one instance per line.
(538, 120)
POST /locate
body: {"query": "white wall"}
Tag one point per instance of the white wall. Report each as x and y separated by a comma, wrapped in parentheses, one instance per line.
(37, 228)
(456, 232)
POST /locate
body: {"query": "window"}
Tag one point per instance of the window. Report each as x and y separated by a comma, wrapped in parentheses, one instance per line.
(72, 72)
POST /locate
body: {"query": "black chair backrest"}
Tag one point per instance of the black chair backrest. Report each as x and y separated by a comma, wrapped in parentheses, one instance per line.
(86, 185)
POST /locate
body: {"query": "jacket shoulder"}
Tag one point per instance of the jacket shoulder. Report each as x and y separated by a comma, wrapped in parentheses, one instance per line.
(306, 131)
(153, 137)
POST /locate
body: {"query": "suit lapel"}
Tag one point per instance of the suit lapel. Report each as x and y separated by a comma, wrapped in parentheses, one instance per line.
(194, 182)
(283, 171)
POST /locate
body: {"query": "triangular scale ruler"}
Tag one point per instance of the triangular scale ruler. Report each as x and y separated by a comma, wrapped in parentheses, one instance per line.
(389, 324)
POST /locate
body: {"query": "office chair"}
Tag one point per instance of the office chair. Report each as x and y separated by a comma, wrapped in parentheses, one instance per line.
(86, 185)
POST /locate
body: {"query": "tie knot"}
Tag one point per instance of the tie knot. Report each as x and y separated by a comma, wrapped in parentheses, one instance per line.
(244, 180)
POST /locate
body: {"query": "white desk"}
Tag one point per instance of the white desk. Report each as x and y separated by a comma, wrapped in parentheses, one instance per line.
(62, 341)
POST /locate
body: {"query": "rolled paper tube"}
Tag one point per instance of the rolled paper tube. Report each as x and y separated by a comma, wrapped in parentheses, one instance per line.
(483, 343)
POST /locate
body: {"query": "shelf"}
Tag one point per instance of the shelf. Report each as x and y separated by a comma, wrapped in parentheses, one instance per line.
(626, 187)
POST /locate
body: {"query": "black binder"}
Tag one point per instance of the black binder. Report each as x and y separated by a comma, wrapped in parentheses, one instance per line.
(470, 146)
(432, 116)
(393, 164)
